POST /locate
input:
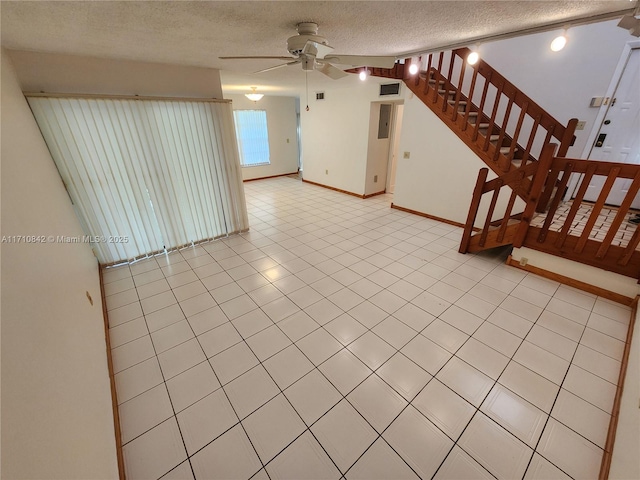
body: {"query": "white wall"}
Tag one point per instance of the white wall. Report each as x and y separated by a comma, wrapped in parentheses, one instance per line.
(283, 138)
(439, 177)
(335, 134)
(56, 73)
(377, 153)
(563, 82)
(57, 419)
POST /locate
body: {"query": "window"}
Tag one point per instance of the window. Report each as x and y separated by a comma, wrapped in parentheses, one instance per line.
(253, 137)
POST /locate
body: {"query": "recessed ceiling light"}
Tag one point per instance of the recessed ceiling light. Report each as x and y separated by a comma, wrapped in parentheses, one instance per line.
(558, 43)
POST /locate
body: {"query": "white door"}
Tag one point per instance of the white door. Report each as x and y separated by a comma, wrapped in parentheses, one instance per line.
(621, 131)
(393, 151)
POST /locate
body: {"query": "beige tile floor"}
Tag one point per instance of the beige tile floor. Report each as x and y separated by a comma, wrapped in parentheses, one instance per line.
(340, 338)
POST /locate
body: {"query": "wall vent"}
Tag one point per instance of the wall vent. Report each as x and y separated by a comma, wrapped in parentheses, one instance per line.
(389, 89)
(319, 95)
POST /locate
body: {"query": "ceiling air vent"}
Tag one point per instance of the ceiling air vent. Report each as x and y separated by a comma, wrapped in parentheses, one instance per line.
(319, 95)
(389, 89)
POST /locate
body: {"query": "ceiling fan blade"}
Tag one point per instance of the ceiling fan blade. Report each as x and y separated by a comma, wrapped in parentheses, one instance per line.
(362, 60)
(257, 58)
(331, 71)
(316, 49)
(278, 66)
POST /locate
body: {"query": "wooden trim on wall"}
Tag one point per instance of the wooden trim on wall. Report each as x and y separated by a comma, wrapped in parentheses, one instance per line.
(432, 217)
(572, 282)
(374, 194)
(270, 176)
(112, 381)
(605, 466)
(333, 188)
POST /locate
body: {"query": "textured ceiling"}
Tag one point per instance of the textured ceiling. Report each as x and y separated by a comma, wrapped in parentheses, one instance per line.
(196, 33)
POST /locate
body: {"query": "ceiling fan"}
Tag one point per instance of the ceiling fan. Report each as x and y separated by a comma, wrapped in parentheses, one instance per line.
(313, 52)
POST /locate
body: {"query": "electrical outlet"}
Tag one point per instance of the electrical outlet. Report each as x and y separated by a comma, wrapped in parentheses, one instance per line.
(523, 261)
(406, 155)
(580, 125)
(375, 179)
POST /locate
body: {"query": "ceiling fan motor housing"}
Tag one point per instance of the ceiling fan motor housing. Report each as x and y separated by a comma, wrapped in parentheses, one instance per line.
(307, 31)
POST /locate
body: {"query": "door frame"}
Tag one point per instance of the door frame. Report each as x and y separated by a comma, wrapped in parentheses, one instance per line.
(394, 133)
(576, 179)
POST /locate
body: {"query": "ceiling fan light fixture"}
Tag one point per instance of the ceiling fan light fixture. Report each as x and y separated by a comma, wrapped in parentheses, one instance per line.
(558, 43)
(253, 96)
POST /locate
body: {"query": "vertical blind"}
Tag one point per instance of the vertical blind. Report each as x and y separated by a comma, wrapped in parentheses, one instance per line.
(146, 175)
(253, 137)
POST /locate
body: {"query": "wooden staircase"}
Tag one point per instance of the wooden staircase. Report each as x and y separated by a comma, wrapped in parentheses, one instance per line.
(505, 128)
(502, 126)
(525, 148)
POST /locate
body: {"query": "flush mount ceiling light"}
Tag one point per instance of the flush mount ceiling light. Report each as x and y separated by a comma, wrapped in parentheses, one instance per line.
(558, 43)
(253, 96)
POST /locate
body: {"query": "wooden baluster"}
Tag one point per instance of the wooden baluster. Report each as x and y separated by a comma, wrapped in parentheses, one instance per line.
(532, 137)
(447, 83)
(437, 75)
(622, 212)
(631, 248)
(470, 99)
(429, 75)
(440, 61)
(539, 178)
(503, 130)
(597, 208)
(516, 134)
(575, 206)
(473, 209)
(556, 201)
(487, 81)
(460, 81)
(507, 213)
(548, 137)
(492, 207)
(492, 121)
(451, 63)
(547, 192)
(567, 138)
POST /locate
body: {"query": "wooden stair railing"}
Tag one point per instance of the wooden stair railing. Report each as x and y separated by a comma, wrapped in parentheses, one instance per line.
(501, 124)
(508, 228)
(567, 241)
